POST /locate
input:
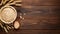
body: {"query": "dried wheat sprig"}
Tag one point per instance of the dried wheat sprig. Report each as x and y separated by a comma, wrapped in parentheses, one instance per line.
(4, 28)
(4, 1)
(18, 4)
(15, 3)
(8, 27)
(1, 25)
(9, 2)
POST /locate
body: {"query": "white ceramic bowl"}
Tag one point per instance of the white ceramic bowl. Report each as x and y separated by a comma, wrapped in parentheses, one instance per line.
(8, 14)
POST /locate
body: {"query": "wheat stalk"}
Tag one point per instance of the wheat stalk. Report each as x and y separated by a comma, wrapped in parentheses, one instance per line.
(14, 2)
(4, 28)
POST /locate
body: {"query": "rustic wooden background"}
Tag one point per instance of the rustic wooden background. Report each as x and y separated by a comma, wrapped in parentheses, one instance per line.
(42, 17)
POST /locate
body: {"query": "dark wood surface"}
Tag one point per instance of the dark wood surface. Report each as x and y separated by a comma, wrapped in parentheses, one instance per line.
(42, 17)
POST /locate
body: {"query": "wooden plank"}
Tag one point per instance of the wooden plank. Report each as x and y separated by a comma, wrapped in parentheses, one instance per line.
(33, 32)
(40, 2)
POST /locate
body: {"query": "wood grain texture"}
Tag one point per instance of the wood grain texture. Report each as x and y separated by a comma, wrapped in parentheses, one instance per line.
(42, 17)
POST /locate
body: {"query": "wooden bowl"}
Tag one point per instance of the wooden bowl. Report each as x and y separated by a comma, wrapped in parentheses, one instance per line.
(8, 14)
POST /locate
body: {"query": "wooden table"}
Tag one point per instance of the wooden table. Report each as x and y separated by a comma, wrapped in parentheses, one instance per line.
(42, 17)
